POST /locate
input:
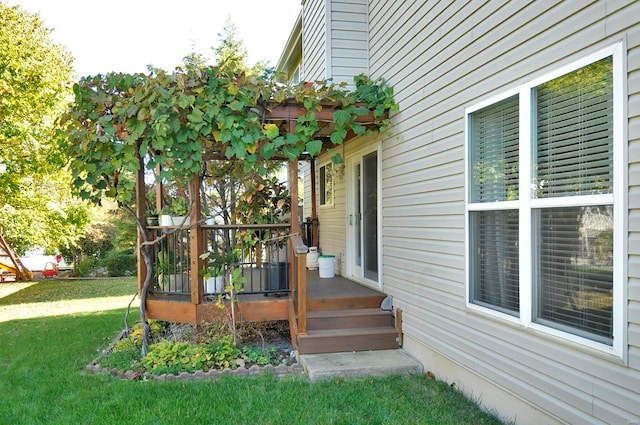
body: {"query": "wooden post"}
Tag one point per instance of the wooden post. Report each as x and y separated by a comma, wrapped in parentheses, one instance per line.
(302, 294)
(293, 190)
(196, 241)
(159, 192)
(295, 223)
(315, 235)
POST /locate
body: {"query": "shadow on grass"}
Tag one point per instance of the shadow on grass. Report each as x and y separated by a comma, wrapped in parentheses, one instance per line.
(71, 289)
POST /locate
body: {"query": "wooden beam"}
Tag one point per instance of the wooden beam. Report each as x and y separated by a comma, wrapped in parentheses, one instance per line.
(247, 311)
(171, 311)
(293, 191)
(293, 325)
(314, 207)
(294, 111)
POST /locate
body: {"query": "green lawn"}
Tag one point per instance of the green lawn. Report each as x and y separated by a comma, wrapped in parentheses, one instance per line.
(67, 323)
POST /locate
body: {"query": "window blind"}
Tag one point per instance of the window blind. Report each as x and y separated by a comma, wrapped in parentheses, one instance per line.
(494, 152)
(575, 133)
(495, 260)
(575, 269)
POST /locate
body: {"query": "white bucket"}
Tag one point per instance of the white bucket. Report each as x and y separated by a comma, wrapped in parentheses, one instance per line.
(312, 258)
(326, 264)
(214, 285)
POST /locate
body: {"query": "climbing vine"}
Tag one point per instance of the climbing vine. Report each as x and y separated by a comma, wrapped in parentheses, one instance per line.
(176, 120)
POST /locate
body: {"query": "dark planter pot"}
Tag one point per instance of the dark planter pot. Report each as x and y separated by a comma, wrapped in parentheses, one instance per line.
(277, 276)
(152, 220)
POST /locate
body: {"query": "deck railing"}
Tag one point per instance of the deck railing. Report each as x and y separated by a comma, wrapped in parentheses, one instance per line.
(172, 260)
(260, 251)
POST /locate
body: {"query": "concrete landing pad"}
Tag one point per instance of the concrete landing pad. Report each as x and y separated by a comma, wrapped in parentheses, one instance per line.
(359, 364)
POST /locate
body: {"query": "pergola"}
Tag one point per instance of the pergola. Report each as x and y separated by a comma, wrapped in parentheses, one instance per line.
(293, 308)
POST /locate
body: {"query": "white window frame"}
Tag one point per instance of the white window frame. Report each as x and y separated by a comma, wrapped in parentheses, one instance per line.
(328, 200)
(527, 204)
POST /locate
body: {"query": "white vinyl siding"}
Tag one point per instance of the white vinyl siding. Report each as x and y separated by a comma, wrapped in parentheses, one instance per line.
(305, 173)
(331, 218)
(348, 40)
(325, 181)
(335, 39)
(442, 57)
(314, 39)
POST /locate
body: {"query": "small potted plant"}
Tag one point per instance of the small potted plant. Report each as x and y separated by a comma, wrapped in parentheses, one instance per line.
(217, 266)
(152, 217)
(180, 209)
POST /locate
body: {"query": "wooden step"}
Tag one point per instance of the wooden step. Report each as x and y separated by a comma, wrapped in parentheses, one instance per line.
(352, 318)
(353, 339)
(345, 303)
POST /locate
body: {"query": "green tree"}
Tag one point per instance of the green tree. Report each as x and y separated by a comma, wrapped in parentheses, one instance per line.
(36, 206)
(231, 55)
(225, 182)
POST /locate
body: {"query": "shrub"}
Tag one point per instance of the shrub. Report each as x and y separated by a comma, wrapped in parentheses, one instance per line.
(257, 356)
(83, 268)
(121, 263)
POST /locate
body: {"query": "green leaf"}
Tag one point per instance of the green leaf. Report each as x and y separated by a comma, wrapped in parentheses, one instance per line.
(359, 129)
(337, 137)
(361, 110)
(314, 147)
(341, 117)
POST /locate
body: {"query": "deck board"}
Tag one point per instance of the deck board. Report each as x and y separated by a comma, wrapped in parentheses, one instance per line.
(336, 287)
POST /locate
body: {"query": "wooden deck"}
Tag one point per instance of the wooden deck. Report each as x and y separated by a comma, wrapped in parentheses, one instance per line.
(342, 315)
(335, 293)
(339, 293)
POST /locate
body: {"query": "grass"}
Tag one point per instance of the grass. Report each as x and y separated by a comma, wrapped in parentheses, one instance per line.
(43, 381)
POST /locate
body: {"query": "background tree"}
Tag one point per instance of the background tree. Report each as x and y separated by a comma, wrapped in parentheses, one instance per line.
(225, 182)
(36, 205)
(230, 55)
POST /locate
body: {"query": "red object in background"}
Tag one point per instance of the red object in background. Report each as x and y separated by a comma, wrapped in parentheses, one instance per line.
(50, 270)
(58, 259)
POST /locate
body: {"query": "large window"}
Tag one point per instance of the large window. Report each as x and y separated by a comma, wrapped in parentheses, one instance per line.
(541, 205)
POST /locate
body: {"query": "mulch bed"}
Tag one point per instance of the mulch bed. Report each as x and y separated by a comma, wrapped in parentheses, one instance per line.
(288, 367)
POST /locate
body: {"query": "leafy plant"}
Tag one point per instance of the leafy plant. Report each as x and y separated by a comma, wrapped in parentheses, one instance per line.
(121, 262)
(259, 356)
(180, 206)
(218, 263)
(134, 339)
(175, 357)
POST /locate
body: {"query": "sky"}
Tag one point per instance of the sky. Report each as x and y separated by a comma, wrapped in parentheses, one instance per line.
(127, 35)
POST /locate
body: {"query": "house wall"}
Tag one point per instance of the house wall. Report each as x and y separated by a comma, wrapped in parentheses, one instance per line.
(442, 57)
(333, 218)
(349, 39)
(314, 40)
(335, 39)
(304, 170)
